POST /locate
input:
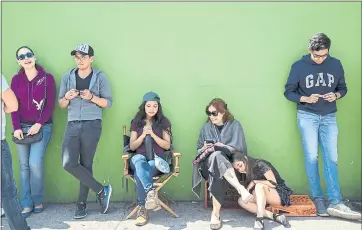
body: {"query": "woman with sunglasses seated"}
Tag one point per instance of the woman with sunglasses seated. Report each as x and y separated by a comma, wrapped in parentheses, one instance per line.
(266, 185)
(150, 134)
(35, 91)
(219, 138)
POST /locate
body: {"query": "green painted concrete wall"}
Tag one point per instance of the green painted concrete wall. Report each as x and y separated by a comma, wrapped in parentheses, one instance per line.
(190, 53)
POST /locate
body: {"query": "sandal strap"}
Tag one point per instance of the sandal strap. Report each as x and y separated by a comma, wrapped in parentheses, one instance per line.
(275, 216)
(217, 217)
(260, 219)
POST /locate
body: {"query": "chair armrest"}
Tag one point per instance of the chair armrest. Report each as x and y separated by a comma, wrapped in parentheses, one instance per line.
(126, 157)
(176, 157)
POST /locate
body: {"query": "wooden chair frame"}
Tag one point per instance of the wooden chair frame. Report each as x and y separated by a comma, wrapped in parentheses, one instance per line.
(158, 181)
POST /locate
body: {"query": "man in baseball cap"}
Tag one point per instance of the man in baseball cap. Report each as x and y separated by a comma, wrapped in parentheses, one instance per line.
(84, 91)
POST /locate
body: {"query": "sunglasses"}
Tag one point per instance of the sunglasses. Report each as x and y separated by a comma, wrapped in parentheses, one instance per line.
(214, 113)
(319, 56)
(27, 55)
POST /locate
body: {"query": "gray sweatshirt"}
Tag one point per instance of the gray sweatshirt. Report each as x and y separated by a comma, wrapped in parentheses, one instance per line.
(80, 109)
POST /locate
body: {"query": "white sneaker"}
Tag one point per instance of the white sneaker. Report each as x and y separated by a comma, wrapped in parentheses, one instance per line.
(342, 211)
(2, 212)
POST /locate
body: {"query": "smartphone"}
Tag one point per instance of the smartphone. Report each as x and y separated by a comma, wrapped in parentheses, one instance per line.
(210, 141)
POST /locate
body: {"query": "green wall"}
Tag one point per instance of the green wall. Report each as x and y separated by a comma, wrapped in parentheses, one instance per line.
(190, 53)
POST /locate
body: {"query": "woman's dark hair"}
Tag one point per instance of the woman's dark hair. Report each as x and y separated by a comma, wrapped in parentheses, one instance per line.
(159, 121)
(21, 70)
(320, 41)
(249, 163)
(221, 107)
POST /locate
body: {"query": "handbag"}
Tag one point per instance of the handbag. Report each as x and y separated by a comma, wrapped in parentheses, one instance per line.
(30, 139)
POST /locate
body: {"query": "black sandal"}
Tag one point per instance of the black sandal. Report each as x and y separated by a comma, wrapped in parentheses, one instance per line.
(259, 223)
(280, 219)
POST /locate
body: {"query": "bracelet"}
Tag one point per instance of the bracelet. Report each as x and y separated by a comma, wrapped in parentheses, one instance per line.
(336, 96)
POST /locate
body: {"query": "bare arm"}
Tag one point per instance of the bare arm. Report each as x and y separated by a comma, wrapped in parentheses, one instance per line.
(163, 142)
(134, 142)
(10, 101)
(63, 103)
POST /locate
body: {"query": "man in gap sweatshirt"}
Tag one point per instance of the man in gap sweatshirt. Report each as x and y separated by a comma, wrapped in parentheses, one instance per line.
(315, 82)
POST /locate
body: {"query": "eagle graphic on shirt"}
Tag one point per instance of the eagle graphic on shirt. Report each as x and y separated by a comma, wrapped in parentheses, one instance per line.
(38, 105)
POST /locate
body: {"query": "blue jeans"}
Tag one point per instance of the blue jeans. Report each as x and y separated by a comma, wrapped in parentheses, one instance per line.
(317, 129)
(32, 171)
(9, 198)
(143, 173)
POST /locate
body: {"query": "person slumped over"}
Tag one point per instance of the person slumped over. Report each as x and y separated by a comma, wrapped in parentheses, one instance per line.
(149, 129)
(266, 185)
(219, 138)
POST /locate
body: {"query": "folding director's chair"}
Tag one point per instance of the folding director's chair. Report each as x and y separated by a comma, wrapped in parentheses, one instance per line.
(158, 181)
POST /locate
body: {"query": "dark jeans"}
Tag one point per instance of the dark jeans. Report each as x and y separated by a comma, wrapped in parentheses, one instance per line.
(9, 198)
(78, 149)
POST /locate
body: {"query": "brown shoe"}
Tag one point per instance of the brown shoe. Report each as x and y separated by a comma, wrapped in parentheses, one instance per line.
(142, 216)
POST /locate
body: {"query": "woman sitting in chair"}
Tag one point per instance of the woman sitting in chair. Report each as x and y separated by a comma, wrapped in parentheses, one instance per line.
(150, 134)
(219, 138)
(266, 185)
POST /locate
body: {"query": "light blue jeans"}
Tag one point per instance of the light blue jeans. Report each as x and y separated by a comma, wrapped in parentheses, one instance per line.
(32, 171)
(143, 172)
(317, 129)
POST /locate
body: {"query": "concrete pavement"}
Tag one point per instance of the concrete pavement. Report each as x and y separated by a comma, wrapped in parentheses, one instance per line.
(192, 216)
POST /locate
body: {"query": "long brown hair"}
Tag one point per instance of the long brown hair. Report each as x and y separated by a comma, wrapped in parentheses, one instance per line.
(221, 107)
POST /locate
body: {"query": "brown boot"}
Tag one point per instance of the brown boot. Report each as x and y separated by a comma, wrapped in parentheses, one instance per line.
(142, 216)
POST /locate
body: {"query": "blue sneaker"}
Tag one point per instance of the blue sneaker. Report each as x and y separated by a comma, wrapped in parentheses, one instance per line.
(104, 197)
(320, 205)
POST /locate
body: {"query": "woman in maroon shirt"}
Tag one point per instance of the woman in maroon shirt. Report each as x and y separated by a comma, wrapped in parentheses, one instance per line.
(35, 91)
(150, 135)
